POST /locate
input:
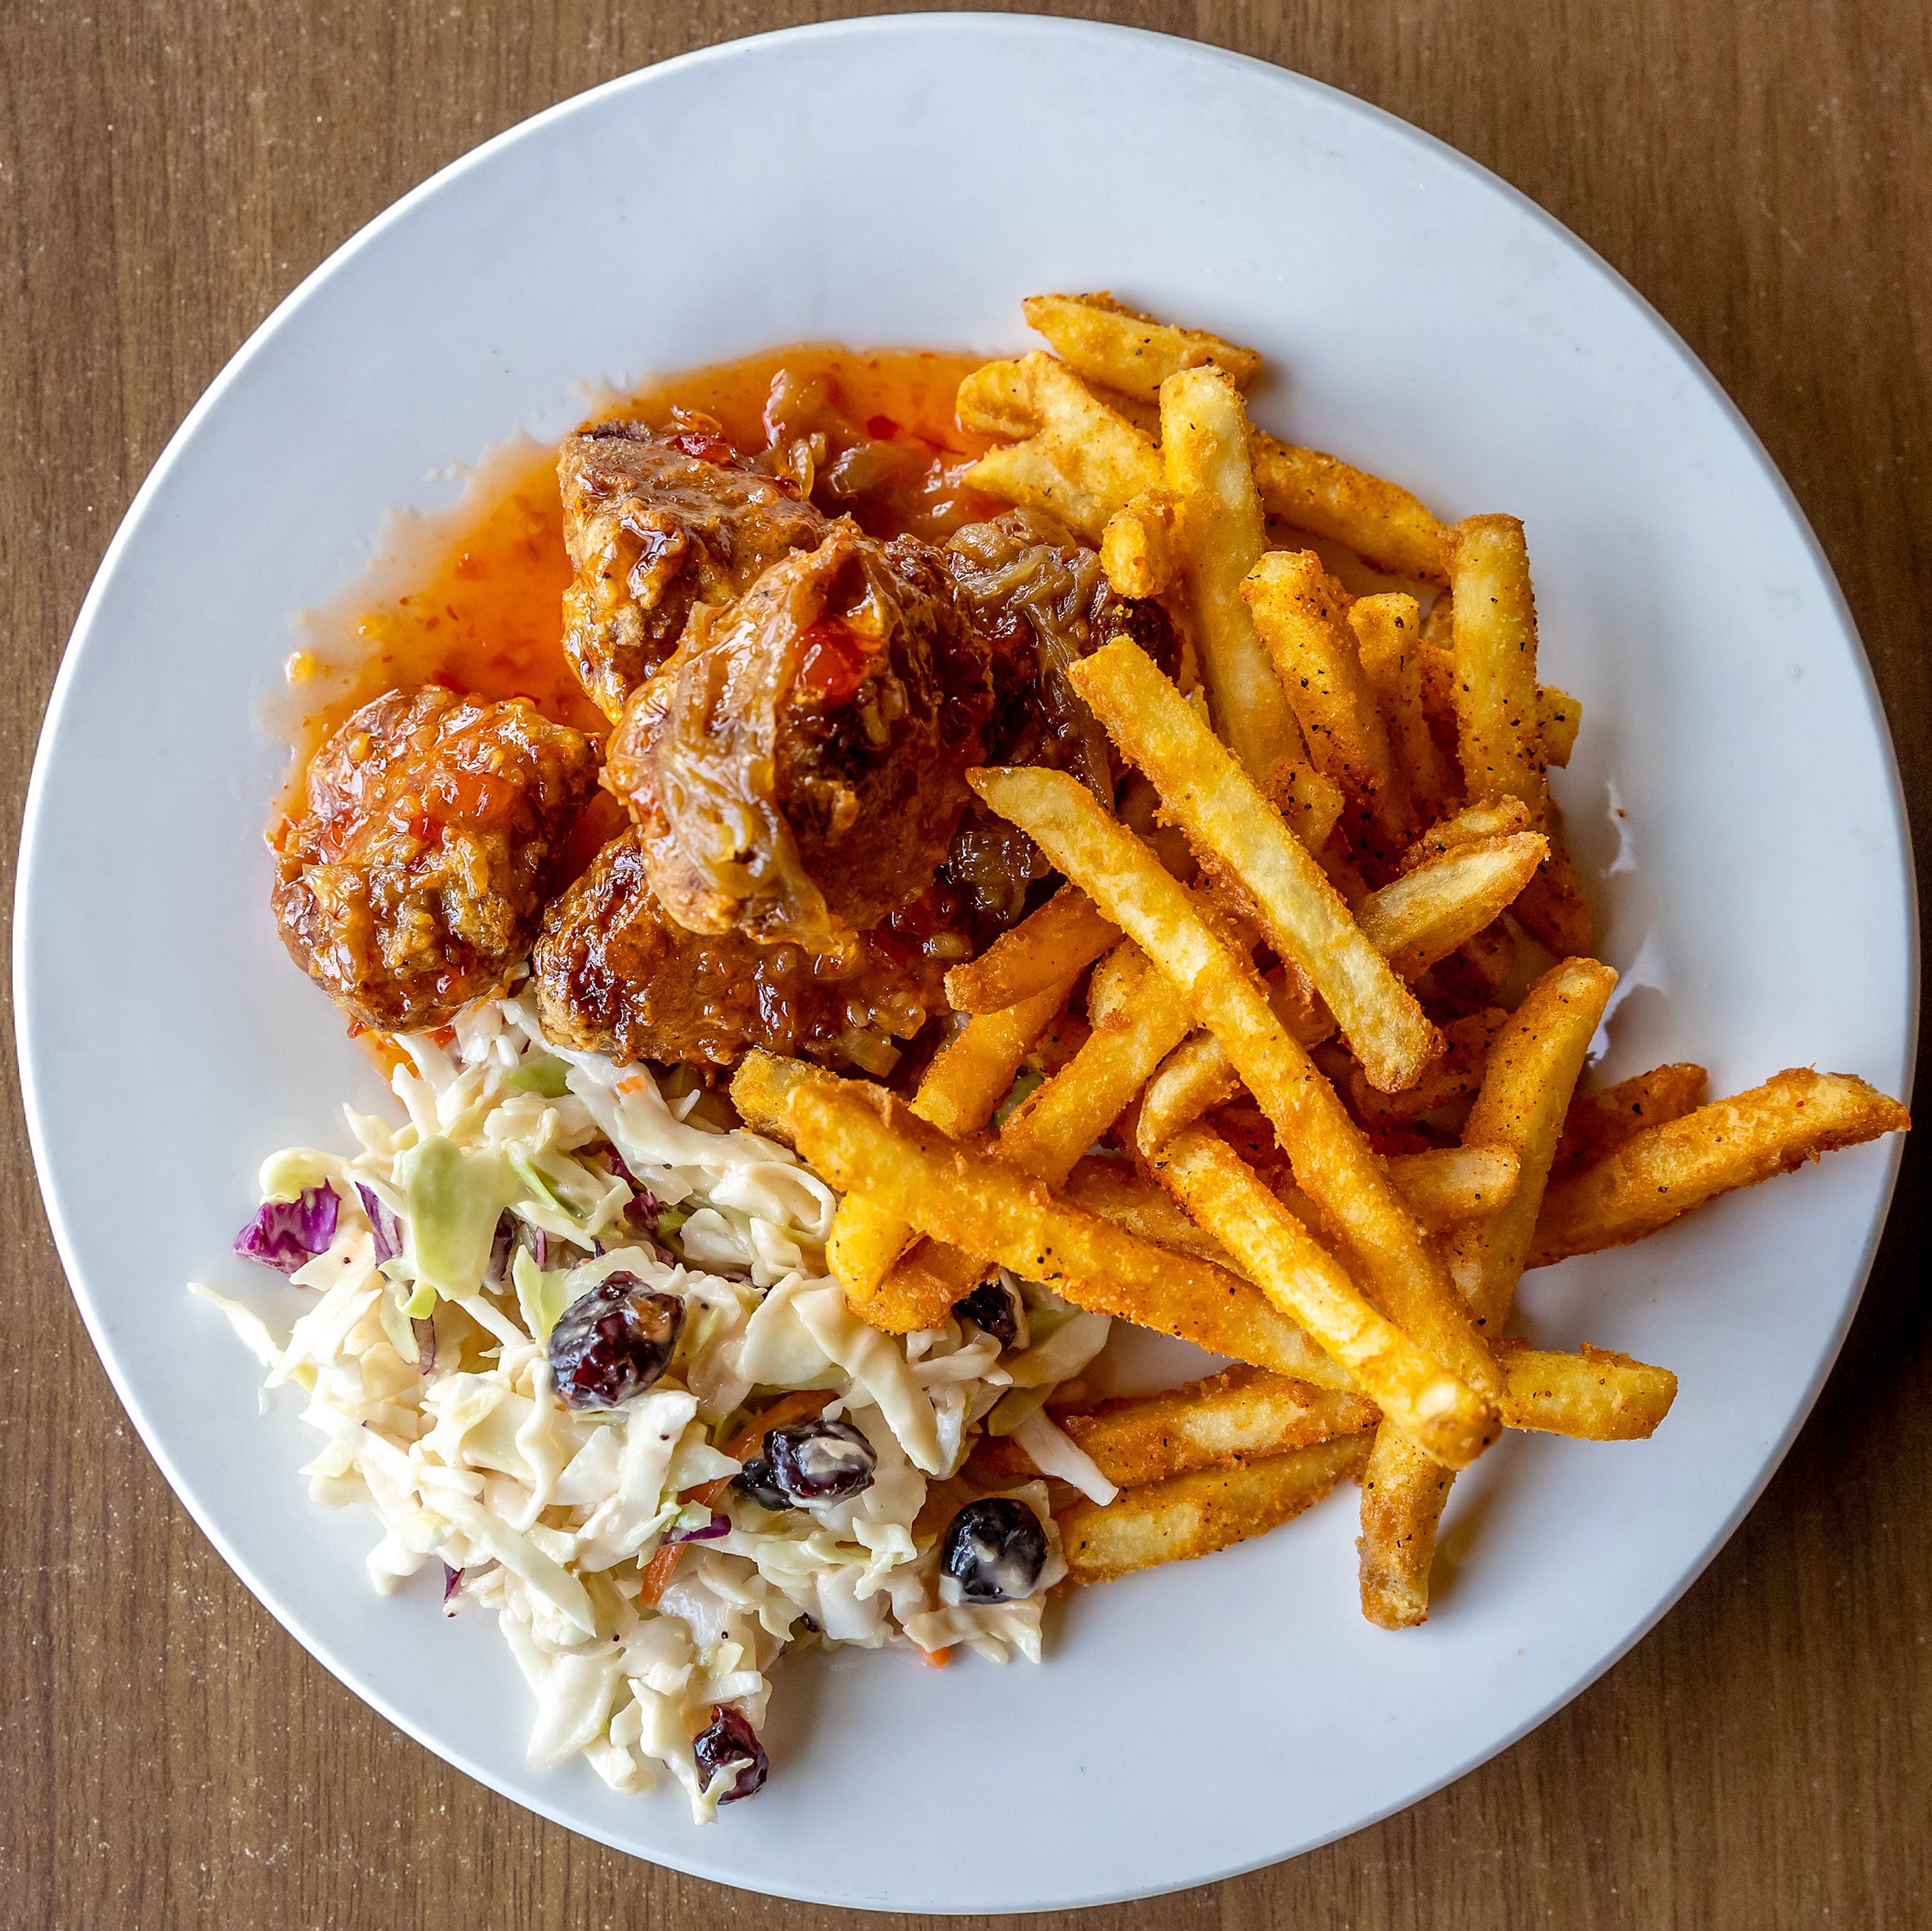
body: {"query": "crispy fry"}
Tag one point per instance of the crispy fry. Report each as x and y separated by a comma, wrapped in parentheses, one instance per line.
(1466, 1044)
(1220, 535)
(1484, 961)
(1426, 914)
(1448, 1184)
(1056, 1046)
(1482, 820)
(859, 1136)
(996, 400)
(1238, 1415)
(1054, 1125)
(1197, 1075)
(1666, 1169)
(1190, 1515)
(1447, 1420)
(1559, 717)
(1106, 343)
(1083, 461)
(1387, 631)
(1494, 619)
(1598, 1123)
(1383, 524)
(1297, 610)
(1225, 816)
(1137, 547)
(1065, 934)
(1531, 1073)
(1551, 906)
(1115, 1190)
(1592, 1395)
(967, 1080)
(1401, 1271)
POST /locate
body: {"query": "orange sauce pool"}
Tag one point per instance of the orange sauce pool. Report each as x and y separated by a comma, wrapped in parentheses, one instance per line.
(485, 616)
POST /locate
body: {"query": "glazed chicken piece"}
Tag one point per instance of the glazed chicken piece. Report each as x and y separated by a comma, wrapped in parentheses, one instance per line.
(614, 975)
(1043, 602)
(796, 770)
(415, 878)
(656, 523)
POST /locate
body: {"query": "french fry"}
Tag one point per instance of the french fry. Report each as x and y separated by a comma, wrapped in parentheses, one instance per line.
(1484, 961)
(1238, 1415)
(860, 1137)
(1106, 343)
(1666, 1171)
(996, 400)
(1599, 1123)
(1477, 822)
(1225, 816)
(1054, 1125)
(1196, 1077)
(1401, 1271)
(968, 1078)
(1083, 461)
(1382, 523)
(1066, 935)
(1449, 1184)
(1446, 1420)
(1592, 1395)
(1559, 717)
(1220, 535)
(1115, 1190)
(1466, 1044)
(1551, 906)
(1387, 630)
(1494, 620)
(1297, 610)
(1137, 547)
(1426, 914)
(1190, 1515)
(1532, 1071)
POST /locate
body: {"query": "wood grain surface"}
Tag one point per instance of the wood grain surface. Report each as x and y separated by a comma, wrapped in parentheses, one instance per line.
(1761, 169)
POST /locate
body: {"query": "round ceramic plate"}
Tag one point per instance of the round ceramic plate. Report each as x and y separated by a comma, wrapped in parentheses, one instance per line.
(1732, 798)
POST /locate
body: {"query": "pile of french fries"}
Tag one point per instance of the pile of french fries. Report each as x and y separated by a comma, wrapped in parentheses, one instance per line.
(1326, 1107)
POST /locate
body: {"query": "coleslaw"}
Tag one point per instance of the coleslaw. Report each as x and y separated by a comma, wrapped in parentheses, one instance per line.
(644, 1590)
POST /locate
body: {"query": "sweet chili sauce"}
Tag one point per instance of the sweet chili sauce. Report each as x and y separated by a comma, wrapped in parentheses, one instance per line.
(482, 614)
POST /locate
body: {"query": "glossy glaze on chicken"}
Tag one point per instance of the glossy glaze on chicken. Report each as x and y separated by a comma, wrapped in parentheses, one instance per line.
(797, 685)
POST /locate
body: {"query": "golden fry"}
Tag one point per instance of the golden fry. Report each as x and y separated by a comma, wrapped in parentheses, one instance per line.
(1401, 1273)
(1297, 611)
(859, 1137)
(1592, 1395)
(1426, 913)
(1115, 1190)
(1667, 1170)
(1195, 1077)
(1082, 462)
(1482, 820)
(1466, 1044)
(1449, 1184)
(1598, 1123)
(1383, 524)
(1447, 1420)
(1190, 1515)
(1494, 619)
(1388, 638)
(1137, 547)
(1094, 335)
(1049, 946)
(1208, 792)
(1559, 717)
(1551, 906)
(1220, 535)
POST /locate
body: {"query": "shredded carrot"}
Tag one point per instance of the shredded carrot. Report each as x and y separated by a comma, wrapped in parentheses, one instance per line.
(658, 1574)
(935, 1658)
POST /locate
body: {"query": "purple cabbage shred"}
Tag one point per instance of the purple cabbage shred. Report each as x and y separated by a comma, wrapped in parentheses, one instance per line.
(286, 1234)
(452, 1582)
(719, 1525)
(386, 1229)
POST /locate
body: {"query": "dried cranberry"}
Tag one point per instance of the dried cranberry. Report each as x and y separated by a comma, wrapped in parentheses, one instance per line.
(731, 1740)
(990, 1307)
(995, 1549)
(614, 1343)
(755, 1480)
(820, 1461)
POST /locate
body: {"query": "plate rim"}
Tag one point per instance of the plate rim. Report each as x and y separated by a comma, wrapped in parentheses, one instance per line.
(941, 25)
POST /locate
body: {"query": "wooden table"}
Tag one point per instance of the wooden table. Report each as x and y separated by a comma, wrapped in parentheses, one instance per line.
(1761, 169)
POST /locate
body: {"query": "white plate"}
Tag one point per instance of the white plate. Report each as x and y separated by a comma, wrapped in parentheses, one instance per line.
(907, 182)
